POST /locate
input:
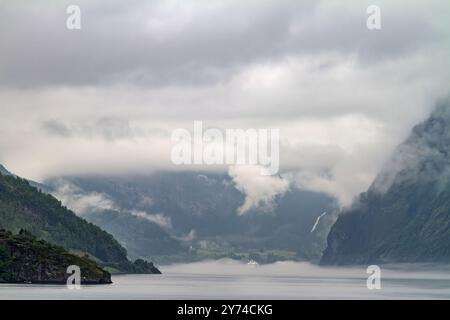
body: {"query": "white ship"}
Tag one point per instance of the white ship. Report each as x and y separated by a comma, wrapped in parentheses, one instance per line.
(253, 263)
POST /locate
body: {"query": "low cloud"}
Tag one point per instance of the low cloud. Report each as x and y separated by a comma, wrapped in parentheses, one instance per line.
(260, 191)
(79, 201)
(188, 237)
(82, 202)
(158, 218)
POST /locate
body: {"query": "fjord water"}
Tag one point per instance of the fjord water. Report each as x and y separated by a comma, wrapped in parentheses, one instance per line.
(227, 279)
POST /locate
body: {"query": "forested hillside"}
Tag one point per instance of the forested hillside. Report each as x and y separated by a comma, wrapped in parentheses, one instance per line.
(25, 207)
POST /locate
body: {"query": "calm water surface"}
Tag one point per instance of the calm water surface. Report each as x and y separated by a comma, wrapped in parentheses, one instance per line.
(228, 279)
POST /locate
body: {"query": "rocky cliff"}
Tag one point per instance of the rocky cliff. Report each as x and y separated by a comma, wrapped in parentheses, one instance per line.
(405, 215)
(25, 259)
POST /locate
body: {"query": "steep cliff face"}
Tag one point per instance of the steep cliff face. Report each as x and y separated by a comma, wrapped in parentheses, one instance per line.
(23, 258)
(405, 215)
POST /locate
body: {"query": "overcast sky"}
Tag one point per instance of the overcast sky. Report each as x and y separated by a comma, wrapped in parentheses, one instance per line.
(105, 99)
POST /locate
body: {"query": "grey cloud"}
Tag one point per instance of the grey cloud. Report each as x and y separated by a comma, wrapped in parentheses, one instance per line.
(137, 42)
(160, 44)
(56, 128)
(105, 128)
(105, 99)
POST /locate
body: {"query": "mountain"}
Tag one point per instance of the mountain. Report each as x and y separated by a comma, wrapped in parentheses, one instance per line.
(140, 237)
(23, 206)
(405, 214)
(23, 258)
(4, 171)
(38, 185)
(194, 216)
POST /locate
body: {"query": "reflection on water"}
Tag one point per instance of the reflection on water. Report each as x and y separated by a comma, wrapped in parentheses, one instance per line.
(227, 279)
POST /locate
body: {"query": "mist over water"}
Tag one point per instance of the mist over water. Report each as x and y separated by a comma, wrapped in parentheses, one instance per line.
(228, 279)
